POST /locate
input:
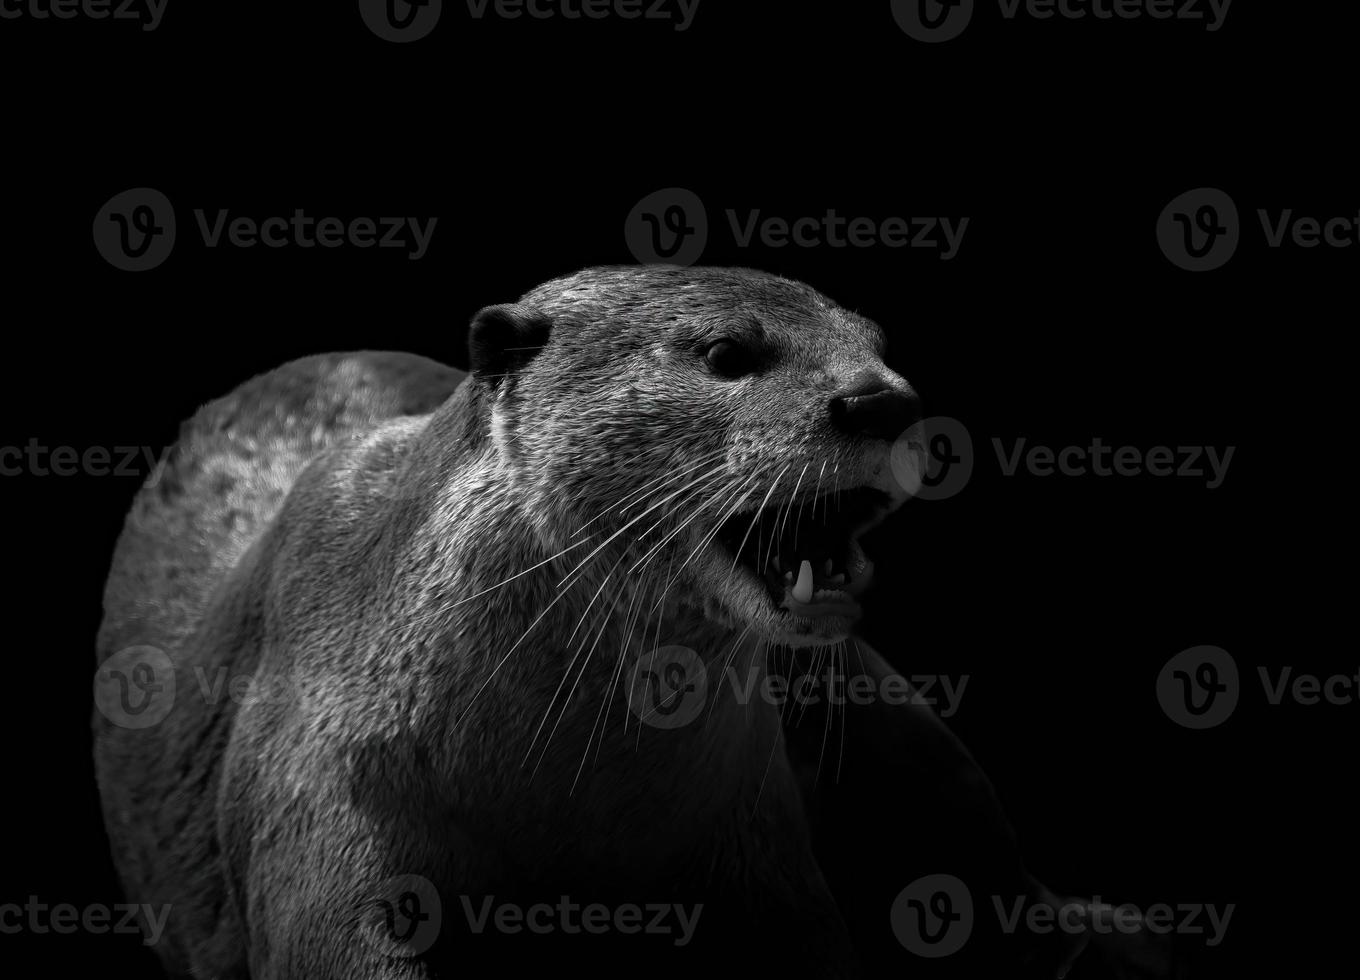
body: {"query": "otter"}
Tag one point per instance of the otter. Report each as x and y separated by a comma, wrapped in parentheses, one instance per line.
(417, 638)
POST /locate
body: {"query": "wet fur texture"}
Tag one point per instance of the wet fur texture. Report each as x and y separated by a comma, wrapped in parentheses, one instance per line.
(339, 530)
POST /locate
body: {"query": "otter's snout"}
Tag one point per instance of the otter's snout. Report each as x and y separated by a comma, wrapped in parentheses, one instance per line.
(876, 410)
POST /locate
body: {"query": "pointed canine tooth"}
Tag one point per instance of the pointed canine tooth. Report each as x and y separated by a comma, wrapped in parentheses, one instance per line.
(802, 589)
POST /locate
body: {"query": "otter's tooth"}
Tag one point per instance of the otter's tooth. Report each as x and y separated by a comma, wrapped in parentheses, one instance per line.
(776, 564)
(802, 589)
(788, 577)
(828, 566)
(837, 579)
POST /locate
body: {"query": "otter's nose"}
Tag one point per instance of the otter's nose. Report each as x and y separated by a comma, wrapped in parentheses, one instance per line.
(876, 411)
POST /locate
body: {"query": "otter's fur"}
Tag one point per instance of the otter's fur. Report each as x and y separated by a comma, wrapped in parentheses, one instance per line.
(382, 540)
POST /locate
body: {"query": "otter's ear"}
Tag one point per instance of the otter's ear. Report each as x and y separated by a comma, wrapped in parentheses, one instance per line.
(505, 338)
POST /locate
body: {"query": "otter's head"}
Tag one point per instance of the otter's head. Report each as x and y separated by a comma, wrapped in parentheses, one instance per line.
(721, 435)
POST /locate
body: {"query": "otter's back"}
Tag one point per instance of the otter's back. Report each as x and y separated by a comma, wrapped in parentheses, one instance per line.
(213, 496)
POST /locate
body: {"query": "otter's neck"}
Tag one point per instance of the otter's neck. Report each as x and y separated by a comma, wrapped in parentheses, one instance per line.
(556, 668)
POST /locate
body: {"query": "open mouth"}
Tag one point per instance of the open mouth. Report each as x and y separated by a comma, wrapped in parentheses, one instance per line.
(807, 554)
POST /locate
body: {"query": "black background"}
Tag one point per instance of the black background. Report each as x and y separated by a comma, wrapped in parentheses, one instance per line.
(1060, 320)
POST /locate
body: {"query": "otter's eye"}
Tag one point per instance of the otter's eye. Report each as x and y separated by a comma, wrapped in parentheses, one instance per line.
(730, 359)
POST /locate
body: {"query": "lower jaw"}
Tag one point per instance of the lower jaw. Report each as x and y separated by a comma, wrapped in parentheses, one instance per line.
(817, 609)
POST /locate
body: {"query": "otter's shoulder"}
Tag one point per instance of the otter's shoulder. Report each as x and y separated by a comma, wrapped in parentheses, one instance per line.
(227, 475)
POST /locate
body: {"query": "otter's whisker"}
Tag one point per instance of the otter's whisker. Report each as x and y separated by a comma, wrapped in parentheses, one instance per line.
(579, 622)
(774, 748)
(604, 623)
(671, 534)
(788, 505)
(523, 573)
(660, 606)
(721, 494)
(561, 593)
(625, 527)
(756, 517)
(727, 661)
(749, 485)
(840, 752)
(585, 753)
(712, 477)
(826, 725)
(669, 476)
(630, 619)
(665, 479)
(815, 494)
